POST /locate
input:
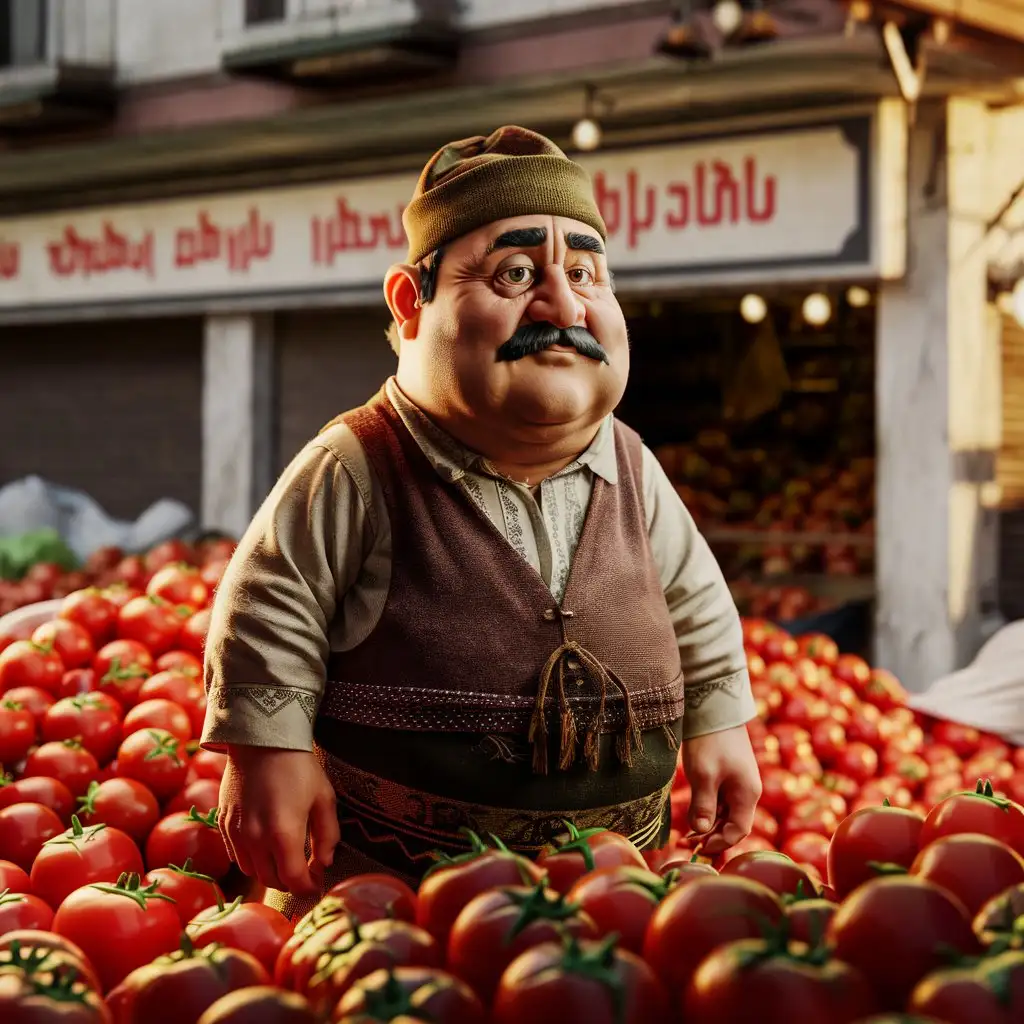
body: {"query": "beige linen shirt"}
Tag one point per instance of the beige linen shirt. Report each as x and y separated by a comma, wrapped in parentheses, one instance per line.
(311, 575)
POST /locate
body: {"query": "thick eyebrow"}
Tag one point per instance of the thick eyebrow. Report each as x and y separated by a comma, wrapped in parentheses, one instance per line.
(584, 243)
(520, 238)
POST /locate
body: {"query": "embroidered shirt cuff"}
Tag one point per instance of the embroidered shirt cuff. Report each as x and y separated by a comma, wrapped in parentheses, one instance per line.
(718, 704)
(259, 716)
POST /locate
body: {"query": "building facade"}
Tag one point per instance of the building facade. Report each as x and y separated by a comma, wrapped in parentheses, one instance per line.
(198, 201)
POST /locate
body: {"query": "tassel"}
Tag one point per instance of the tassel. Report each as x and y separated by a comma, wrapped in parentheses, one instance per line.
(670, 736)
(538, 736)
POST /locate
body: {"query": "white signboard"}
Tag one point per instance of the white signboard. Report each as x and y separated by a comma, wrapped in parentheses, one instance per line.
(802, 197)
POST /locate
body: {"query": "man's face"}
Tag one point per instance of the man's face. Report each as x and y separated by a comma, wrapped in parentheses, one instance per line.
(523, 333)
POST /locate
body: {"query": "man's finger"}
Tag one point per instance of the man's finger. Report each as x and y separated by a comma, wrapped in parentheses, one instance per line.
(287, 848)
(741, 796)
(703, 803)
(324, 830)
(265, 869)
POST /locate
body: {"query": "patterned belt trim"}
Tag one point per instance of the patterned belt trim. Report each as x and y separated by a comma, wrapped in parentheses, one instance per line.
(426, 709)
(417, 822)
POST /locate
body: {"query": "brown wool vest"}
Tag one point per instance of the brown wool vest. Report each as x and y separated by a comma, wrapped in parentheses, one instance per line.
(471, 639)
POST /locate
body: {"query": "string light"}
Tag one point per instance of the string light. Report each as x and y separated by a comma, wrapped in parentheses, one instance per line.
(753, 308)
(858, 297)
(586, 134)
(817, 309)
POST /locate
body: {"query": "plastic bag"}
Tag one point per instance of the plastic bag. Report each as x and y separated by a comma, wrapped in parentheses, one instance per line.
(34, 504)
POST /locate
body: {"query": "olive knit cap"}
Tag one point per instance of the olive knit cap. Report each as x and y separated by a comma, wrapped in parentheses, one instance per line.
(512, 172)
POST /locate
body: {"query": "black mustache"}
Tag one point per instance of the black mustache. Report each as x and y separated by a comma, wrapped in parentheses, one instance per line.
(531, 338)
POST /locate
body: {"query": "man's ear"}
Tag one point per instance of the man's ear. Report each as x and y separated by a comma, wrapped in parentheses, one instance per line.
(402, 294)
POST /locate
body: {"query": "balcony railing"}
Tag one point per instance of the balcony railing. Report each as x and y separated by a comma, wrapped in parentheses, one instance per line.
(56, 60)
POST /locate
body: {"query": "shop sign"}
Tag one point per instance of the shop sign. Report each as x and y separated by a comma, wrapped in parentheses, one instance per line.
(806, 199)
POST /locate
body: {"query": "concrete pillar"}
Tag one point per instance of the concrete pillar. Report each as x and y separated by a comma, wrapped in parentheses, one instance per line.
(938, 399)
(238, 419)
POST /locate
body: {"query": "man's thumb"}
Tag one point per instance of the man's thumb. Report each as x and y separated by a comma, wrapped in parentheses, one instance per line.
(325, 833)
(703, 806)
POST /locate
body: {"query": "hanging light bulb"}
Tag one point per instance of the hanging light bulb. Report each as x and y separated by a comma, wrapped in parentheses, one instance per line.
(586, 134)
(753, 308)
(817, 309)
(1017, 302)
(727, 15)
(858, 297)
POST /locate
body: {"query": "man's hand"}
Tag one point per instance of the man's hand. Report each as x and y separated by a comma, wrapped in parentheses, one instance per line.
(269, 799)
(726, 785)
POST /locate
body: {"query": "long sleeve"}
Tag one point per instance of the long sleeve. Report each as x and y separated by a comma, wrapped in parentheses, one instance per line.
(272, 619)
(706, 621)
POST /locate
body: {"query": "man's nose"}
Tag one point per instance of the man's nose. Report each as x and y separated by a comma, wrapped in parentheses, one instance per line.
(555, 302)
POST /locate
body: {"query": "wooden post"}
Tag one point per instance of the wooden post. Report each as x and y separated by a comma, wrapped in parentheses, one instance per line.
(238, 408)
(938, 387)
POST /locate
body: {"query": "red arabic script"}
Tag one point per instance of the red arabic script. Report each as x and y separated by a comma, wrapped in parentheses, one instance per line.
(10, 260)
(716, 193)
(75, 254)
(349, 230)
(238, 246)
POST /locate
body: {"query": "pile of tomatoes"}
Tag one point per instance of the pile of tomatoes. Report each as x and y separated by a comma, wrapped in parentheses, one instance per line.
(833, 735)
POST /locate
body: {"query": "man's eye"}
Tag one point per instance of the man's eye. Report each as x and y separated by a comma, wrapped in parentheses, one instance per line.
(580, 275)
(516, 275)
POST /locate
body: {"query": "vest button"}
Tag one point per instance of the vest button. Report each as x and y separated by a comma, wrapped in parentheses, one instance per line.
(549, 614)
(572, 664)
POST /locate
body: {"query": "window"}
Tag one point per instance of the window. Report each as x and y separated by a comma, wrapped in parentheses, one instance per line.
(22, 32)
(260, 11)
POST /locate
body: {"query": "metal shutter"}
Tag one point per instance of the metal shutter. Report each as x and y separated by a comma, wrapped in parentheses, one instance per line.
(110, 408)
(329, 361)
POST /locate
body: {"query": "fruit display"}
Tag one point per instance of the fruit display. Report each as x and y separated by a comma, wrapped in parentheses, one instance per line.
(881, 875)
(39, 567)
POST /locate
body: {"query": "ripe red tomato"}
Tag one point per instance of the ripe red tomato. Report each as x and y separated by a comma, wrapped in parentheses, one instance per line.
(119, 594)
(93, 611)
(20, 947)
(263, 1004)
(828, 738)
(193, 632)
(71, 642)
(23, 910)
(752, 980)
(858, 761)
(189, 835)
(121, 667)
(809, 920)
(451, 884)
(794, 739)
(373, 897)
(76, 682)
(696, 918)
(65, 760)
(158, 714)
(620, 899)
(118, 927)
(811, 815)
(981, 812)
(156, 759)
(972, 867)
(202, 794)
(991, 992)
(852, 670)
(168, 552)
(418, 992)
(808, 848)
(552, 983)
(17, 732)
(381, 944)
(819, 648)
(180, 661)
(863, 726)
(325, 928)
(764, 824)
(38, 789)
(13, 878)
(964, 740)
(25, 663)
(94, 719)
(997, 920)
(174, 685)
(80, 856)
(191, 890)
(32, 699)
(209, 764)
(571, 857)
(180, 986)
(152, 622)
(254, 927)
(179, 584)
(774, 870)
(896, 930)
(23, 830)
(123, 804)
(868, 841)
(781, 789)
(497, 925)
(884, 690)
